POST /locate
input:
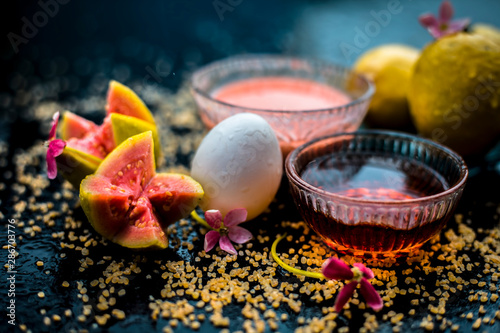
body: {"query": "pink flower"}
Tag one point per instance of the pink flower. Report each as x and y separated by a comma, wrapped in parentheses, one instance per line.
(443, 25)
(226, 231)
(336, 269)
(55, 148)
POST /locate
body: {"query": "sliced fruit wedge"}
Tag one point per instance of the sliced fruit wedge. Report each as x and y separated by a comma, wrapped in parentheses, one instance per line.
(123, 100)
(74, 126)
(88, 143)
(126, 126)
(128, 203)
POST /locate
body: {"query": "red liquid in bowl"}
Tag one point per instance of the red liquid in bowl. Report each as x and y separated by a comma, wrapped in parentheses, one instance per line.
(372, 178)
(281, 93)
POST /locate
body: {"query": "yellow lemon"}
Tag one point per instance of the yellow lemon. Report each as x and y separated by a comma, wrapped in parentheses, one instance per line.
(488, 31)
(454, 92)
(389, 67)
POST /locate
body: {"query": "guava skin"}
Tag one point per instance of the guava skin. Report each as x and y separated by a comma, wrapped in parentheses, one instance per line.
(129, 204)
(74, 165)
(124, 127)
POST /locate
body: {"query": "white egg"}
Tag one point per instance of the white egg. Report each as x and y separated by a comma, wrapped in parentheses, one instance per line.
(239, 164)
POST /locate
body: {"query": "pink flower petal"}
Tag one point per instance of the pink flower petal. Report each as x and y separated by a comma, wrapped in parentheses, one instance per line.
(443, 26)
(344, 295)
(51, 166)
(225, 244)
(371, 296)
(235, 217)
(336, 269)
(445, 12)
(239, 235)
(211, 238)
(436, 32)
(213, 218)
(56, 147)
(458, 25)
(367, 273)
(55, 120)
(428, 21)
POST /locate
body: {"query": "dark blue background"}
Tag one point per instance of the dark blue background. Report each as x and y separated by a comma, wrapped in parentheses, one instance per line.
(181, 35)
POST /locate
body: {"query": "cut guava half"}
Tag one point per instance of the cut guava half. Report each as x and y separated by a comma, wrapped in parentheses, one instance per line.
(129, 204)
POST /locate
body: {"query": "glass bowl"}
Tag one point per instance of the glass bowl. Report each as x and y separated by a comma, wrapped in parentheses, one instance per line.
(375, 193)
(292, 127)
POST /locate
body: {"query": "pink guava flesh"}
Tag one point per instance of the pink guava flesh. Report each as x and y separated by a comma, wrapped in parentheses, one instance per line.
(129, 204)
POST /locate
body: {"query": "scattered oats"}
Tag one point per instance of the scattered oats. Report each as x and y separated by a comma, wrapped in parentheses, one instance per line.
(195, 325)
(118, 314)
(477, 324)
(102, 320)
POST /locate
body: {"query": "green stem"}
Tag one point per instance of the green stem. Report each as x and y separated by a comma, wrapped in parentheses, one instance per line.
(198, 219)
(290, 268)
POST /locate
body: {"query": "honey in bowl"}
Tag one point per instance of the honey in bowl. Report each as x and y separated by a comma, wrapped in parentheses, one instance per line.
(375, 193)
(372, 178)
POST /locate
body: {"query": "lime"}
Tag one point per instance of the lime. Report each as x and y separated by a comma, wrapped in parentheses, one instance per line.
(454, 92)
(389, 67)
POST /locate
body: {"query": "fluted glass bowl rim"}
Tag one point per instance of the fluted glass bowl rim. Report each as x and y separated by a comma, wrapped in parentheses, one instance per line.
(294, 177)
(204, 70)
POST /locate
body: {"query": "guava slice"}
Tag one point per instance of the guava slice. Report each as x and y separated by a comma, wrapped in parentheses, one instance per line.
(126, 126)
(74, 126)
(123, 100)
(129, 204)
(88, 143)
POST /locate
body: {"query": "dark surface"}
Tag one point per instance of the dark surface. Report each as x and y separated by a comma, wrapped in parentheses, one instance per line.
(153, 48)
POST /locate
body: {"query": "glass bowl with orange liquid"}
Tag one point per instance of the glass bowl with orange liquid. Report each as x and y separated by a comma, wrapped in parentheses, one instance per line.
(375, 193)
(301, 99)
